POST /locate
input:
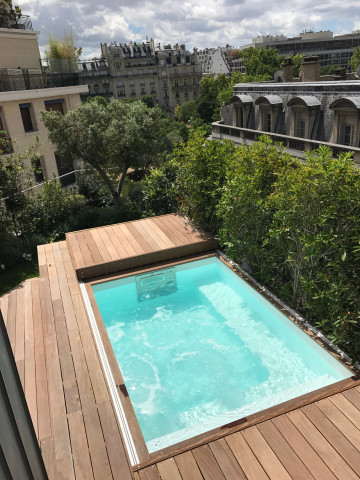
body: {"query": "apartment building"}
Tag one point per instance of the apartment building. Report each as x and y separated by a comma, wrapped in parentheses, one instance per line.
(24, 93)
(301, 115)
(213, 61)
(170, 75)
(331, 49)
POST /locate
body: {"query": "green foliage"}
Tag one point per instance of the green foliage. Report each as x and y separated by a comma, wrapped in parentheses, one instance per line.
(202, 167)
(148, 100)
(114, 138)
(355, 59)
(63, 48)
(8, 14)
(11, 277)
(328, 69)
(186, 111)
(159, 189)
(261, 61)
(100, 100)
(50, 209)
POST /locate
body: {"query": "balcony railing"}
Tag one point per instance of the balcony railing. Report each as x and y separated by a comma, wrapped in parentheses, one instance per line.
(23, 23)
(297, 145)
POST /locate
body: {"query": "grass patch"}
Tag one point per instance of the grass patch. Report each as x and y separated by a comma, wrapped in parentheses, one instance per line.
(11, 277)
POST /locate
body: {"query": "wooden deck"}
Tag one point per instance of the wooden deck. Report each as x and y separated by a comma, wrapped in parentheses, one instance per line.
(110, 249)
(77, 429)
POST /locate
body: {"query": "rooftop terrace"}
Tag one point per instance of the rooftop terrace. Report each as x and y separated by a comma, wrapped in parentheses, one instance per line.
(314, 436)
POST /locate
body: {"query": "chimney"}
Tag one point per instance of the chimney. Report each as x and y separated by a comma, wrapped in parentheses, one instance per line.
(287, 70)
(310, 70)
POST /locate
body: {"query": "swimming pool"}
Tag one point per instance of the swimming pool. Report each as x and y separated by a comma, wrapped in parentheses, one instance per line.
(199, 348)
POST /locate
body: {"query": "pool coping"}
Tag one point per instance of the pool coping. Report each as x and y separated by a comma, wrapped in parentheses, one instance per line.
(117, 387)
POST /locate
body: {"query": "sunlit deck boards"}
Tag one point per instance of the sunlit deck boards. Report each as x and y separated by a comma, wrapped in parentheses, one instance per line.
(113, 248)
(76, 427)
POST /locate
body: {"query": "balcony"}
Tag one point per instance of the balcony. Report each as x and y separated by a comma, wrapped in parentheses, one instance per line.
(294, 145)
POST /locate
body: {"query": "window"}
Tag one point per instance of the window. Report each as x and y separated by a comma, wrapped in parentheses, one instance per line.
(348, 134)
(267, 122)
(55, 105)
(65, 170)
(177, 95)
(176, 83)
(302, 129)
(185, 83)
(25, 110)
(121, 93)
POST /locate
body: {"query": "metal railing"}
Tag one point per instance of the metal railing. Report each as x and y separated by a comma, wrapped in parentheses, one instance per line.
(220, 131)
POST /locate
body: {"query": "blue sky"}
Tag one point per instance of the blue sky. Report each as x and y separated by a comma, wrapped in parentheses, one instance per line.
(197, 23)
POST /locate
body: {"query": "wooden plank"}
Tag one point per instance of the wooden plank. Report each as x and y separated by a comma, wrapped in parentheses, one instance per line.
(158, 234)
(71, 393)
(347, 408)
(20, 335)
(168, 470)
(126, 241)
(75, 249)
(46, 308)
(147, 237)
(149, 473)
(4, 307)
(169, 232)
(120, 250)
(52, 273)
(41, 255)
(341, 422)
(114, 445)
(95, 371)
(137, 241)
(85, 250)
(69, 269)
(321, 446)
(353, 396)
(175, 227)
(48, 455)
(108, 244)
(284, 452)
(333, 436)
(79, 446)
(188, 467)
(30, 372)
(226, 460)
(190, 230)
(265, 454)
(302, 448)
(245, 456)
(207, 463)
(11, 319)
(106, 257)
(42, 395)
(63, 456)
(89, 239)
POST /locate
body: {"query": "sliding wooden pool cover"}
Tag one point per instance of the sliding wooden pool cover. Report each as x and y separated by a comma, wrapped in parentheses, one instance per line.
(70, 404)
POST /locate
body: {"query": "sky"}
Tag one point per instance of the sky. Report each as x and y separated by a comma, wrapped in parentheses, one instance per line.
(197, 23)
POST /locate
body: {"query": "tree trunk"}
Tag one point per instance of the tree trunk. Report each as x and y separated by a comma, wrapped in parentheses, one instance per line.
(109, 184)
(121, 181)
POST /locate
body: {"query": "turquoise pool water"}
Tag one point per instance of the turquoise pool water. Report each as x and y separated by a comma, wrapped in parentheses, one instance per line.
(199, 348)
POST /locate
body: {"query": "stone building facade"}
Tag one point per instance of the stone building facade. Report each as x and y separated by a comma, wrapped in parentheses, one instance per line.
(302, 115)
(331, 49)
(23, 94)
(170, 75)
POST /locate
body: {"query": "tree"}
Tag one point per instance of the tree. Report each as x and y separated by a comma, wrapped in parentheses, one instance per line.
(8, 14)
(328, 69)
(113, 138)
(261, 61)
(355, 59)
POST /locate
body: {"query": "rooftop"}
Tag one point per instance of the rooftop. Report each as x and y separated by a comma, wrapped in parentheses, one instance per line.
(314, 436)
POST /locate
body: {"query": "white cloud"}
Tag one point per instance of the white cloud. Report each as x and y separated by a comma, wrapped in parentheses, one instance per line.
(200, 23)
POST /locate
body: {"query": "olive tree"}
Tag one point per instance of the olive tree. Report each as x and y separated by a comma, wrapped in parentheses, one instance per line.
(112, 138)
